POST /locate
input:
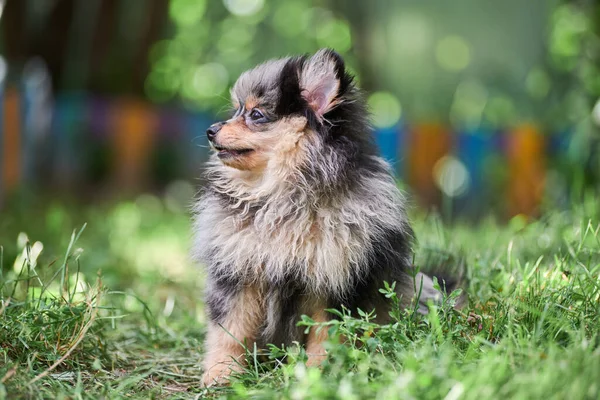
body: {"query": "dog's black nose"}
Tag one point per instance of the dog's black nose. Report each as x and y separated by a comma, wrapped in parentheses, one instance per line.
(212, 131)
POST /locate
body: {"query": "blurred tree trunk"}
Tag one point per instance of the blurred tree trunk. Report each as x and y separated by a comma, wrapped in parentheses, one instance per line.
(13, 30)
(359, 14)
(87, 44)
(152, 32)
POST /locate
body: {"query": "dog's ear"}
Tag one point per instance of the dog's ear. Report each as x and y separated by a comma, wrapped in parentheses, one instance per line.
(320, 81)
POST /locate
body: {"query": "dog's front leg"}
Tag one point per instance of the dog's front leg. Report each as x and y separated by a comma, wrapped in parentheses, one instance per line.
(316, 336)
(234, 325)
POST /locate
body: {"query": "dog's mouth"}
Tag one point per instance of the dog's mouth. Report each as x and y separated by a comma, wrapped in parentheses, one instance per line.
(225, 152)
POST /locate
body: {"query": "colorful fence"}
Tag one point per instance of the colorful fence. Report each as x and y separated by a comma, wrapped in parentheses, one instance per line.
(128, 144)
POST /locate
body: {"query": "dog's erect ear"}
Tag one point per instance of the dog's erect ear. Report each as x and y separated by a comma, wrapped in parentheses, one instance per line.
(320, 80)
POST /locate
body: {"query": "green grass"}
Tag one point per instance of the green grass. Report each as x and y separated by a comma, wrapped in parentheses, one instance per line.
(115, 311)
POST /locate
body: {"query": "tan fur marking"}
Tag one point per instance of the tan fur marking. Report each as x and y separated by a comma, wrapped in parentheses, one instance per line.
(224, 345)
(277, 147)
(251, 102)
(316, 336)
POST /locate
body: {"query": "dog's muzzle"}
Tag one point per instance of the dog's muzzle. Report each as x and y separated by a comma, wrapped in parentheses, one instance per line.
(212, 130)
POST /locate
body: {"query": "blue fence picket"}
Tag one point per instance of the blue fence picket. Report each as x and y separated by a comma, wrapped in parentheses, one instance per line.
(68, 120)
(387, 141)
(474, 148)
(80, 121)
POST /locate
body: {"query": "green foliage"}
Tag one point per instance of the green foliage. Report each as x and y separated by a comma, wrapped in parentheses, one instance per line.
(529, 332)
(213, 42)
(573, 43)
(529, 329)
(52, 327)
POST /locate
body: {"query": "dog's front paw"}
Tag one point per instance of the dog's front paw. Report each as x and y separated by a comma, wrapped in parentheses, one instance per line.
(218, 374)
(316, 360)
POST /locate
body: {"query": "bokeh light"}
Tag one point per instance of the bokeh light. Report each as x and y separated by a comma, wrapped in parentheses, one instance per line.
(410, 33)
(451, 176)
(453, 53)
(204, 55)
(385, 109)
(537, 83)
(500, 109)
(335, 33)
(208, 80)
(3, 69)
(291, 18)
(244, 8)
(569, 25)
(469, 102)
(235, 36)
(187, 12)
(596, 113)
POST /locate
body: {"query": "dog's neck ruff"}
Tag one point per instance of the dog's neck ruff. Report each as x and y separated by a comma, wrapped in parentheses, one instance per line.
(282, 226)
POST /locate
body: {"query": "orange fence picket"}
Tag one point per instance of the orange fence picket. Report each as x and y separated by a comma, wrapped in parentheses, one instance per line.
(139, 136)
(426, 145)
(133, 136)
(526, 160)
(11, 146)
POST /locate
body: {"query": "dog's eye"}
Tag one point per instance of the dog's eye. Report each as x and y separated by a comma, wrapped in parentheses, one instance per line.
(256, 115)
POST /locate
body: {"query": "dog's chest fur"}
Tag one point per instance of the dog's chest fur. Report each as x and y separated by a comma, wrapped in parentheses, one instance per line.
(322, 244)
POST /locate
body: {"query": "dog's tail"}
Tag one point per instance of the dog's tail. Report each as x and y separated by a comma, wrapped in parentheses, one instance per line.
(449, 271)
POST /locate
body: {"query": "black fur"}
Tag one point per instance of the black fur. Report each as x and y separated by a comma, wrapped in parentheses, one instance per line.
(345, 128)
(290, 97)
(219, 295)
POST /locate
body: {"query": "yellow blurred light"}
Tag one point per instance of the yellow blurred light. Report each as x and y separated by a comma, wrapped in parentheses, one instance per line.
(187, 12)
(243, 8)
(208, 80)
(385, 109)
(453, 53)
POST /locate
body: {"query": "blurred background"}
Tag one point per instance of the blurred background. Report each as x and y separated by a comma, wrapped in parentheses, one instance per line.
(488, 111)
(481, 107)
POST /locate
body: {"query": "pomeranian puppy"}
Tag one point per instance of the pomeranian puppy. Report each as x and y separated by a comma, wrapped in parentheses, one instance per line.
(300, 213)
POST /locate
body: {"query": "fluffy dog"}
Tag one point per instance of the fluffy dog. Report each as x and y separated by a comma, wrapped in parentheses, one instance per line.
(300, 214)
